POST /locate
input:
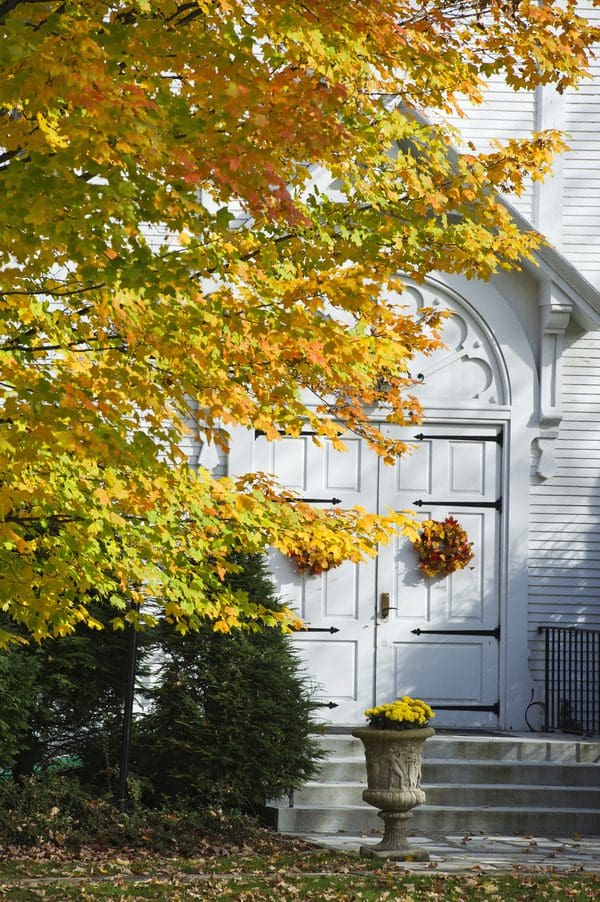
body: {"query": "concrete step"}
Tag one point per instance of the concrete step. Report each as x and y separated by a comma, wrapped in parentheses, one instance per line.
(585, 751)
(496, 748)
(317, 819)
(352, 770)
(331, 795)
(545, 773)
(474, 783)
(522, 795)
(429, 819)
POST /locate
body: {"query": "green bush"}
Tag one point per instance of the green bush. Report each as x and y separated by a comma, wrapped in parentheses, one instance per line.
(230, 723)
(39, 809)
(63, 699)
(231, 720)
(54, 811)
(19, 694)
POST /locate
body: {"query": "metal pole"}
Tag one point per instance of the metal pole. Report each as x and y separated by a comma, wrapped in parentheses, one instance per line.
(127, 716)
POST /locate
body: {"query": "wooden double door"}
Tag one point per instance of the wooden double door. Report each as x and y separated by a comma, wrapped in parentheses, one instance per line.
(381, 629)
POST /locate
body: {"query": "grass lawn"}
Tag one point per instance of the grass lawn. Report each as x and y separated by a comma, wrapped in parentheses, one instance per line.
(303, 873)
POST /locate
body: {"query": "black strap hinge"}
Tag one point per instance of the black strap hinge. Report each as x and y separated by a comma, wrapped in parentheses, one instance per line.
(313, 500)
(259, 433)
(493, 709)
(498, 438)
(497, 504)
(495, 632)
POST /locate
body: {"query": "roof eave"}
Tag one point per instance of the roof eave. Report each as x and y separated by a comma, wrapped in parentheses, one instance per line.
(549, 263)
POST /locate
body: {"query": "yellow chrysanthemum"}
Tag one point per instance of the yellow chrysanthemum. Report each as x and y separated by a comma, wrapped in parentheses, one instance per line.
(403, 713)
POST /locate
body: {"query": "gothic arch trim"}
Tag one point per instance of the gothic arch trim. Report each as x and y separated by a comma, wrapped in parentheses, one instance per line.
(470, 371)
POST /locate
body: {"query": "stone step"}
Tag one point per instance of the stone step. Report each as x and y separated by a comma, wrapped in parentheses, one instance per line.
(429, 819)
(495, 748)
(343, 770)
(330, 795)
(474, 783)
(510, 749)
(546, 773)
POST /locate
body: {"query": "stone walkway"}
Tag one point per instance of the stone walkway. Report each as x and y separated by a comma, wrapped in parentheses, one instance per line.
(457, 854)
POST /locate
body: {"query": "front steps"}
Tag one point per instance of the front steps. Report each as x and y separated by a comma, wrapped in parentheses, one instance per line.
(474, 784)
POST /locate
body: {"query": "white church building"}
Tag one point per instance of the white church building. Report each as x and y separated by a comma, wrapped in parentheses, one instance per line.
(510, 446)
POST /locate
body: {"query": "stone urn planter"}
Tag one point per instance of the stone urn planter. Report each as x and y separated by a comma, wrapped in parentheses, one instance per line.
(394, 786)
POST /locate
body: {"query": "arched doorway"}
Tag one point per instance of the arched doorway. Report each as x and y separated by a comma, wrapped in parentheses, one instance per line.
(476, 451)
(381, 629)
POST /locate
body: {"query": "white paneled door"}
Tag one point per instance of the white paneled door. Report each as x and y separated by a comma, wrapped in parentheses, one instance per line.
(381, 629)
(438, 639)
(338, 647)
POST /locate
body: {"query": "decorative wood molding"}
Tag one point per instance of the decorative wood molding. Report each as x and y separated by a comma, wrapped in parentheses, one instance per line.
(550, 112)
(555, 310)
(465, 369)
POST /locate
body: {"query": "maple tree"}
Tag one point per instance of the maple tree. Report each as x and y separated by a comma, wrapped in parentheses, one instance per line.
(216, 124)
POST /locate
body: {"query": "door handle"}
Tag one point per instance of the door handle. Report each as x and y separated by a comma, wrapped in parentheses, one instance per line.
(385, 606)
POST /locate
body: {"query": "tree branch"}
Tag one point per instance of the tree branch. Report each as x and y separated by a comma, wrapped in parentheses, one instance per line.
(9, 5)
(56, 294)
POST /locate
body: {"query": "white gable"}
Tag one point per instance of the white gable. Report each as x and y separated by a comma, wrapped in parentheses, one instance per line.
(566, 206)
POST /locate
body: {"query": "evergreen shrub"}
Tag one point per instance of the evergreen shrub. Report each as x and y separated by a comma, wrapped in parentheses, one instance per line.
(229, 725)
(232, 718)
(62, 700)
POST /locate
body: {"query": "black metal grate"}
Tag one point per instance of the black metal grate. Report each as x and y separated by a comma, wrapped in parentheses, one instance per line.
(572, 679)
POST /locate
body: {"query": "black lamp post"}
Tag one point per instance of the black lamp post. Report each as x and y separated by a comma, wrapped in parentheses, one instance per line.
(127, 715)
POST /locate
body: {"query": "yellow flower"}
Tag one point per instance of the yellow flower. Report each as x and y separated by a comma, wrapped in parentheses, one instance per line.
(402, 713)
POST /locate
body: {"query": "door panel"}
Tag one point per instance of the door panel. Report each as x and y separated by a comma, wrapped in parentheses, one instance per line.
(462, 663)
(339, 664)
(449, 662)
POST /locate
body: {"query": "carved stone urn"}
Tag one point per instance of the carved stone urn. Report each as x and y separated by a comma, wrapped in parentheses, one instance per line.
(394, 786)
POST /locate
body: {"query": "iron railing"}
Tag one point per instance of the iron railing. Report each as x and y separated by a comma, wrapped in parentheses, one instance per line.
(572, 679)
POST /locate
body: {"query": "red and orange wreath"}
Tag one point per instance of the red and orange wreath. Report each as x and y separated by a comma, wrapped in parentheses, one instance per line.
(314, 562)
(443, 547)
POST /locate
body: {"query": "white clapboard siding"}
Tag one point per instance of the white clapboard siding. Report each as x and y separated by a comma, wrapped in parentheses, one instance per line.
(504, 114)
(580, 225)
(564, 548)
(573, 224)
